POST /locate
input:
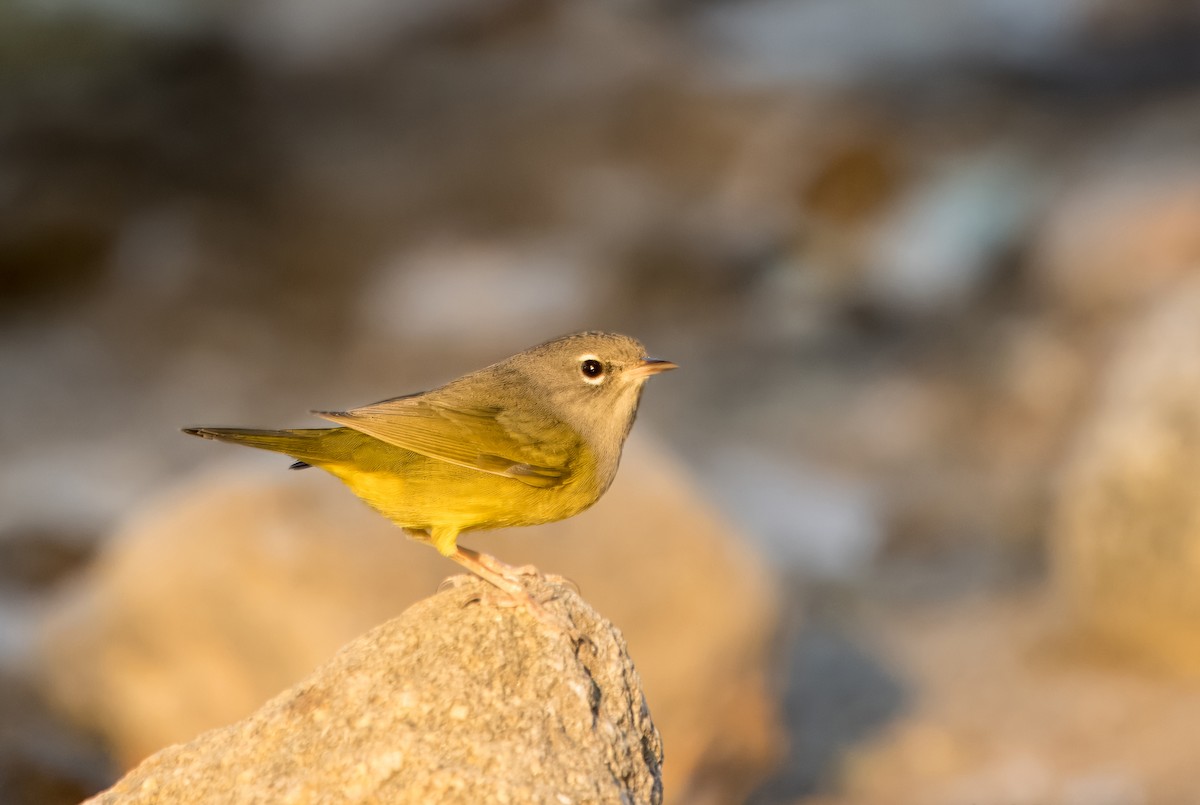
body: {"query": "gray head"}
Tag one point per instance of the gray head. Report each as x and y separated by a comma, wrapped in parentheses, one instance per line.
(592, 381)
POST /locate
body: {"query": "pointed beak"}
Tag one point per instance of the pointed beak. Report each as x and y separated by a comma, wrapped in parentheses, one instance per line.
(650, 367)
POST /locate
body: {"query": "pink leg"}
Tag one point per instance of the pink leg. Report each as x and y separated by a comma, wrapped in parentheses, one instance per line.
(478, 564)
(482, 565)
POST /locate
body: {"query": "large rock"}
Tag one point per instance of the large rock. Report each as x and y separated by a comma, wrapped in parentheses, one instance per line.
(231, 587)
(1126, 532)
(456, 700)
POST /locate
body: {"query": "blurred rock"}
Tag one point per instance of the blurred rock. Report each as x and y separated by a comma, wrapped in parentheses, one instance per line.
(998, 715)
(948, 236)
(49, 259)
(232, 587)
(826, 42)
(33, 560)
(1126, 532)
(841, 691)
(525, 290)
(44, 761)
(456, 700)
(295, 34)
(813, 524)
(1121, 234)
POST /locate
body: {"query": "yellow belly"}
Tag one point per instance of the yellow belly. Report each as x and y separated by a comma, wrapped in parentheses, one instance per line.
(420, 493)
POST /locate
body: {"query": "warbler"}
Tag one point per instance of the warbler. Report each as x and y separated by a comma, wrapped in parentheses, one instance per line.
(534, 438)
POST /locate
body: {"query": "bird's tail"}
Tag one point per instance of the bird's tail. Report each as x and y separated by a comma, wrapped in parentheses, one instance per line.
(307, 445)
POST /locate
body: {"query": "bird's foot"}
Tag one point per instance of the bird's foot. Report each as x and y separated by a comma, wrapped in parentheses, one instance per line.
(509, 588)
(494, 596)
(562, 581)
(518, 573)
(510, 572)
(454, 582)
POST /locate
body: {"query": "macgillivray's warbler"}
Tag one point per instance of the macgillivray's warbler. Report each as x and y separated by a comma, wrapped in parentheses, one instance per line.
(529, 440)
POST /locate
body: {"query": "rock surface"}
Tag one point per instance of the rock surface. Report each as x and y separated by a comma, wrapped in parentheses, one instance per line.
(1126, 532)
(234, 586)
(457, 700)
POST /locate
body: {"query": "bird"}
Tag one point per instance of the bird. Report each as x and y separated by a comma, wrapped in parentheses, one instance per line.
(534, 438)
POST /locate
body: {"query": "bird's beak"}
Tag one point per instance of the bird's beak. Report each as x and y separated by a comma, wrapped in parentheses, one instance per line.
(650, 367)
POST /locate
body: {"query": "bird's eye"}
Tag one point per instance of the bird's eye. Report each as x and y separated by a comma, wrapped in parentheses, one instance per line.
(592, 369)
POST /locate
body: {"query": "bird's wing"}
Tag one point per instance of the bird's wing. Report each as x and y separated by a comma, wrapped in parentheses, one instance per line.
(532, 448)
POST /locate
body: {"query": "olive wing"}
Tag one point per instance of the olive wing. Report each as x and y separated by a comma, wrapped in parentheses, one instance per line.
(532, 448)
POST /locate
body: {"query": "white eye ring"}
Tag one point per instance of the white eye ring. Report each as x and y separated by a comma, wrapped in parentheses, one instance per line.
(592, 369)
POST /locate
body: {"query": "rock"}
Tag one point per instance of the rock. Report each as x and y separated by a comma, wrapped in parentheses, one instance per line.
(233, 586)
(456, 700)
(1142, 213)
(1126, 532)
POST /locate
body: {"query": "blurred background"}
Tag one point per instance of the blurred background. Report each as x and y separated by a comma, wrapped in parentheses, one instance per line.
(930, 269)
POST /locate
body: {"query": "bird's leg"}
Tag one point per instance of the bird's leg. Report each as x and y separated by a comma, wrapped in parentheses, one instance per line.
(514, 572)
(446, 543)
(486, 566)
(490, 570)
(474, 562)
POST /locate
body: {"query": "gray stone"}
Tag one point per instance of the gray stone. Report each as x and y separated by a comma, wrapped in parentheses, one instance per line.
(456, 700)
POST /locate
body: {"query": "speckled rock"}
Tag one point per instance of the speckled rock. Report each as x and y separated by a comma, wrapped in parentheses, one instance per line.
(457, 700)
